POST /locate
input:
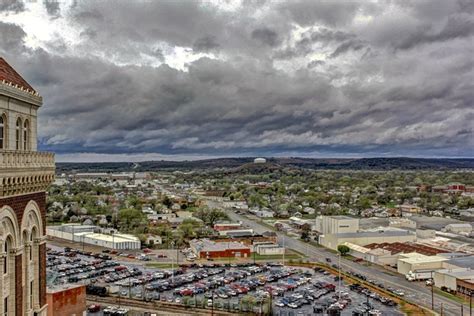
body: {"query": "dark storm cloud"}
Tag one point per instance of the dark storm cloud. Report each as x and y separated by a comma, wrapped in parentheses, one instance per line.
(354, 45)
(205, 44)
(11, 37)
(52, 7)
(12, 5)
(331, 13)
(393, 83)
(266, 36)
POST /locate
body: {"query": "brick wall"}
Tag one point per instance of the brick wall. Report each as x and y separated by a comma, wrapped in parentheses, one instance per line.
(18, 204)
(67, 302)
(244, 253)
(18, 285)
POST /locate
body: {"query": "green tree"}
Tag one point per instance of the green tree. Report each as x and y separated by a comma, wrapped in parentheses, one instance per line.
(343, 250)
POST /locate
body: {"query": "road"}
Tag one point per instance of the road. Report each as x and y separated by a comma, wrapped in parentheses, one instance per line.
(416, 293)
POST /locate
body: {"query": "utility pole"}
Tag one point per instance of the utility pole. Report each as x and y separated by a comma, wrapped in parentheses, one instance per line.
(339, 267)
(441, 309)
(432, 291)
(172, 263)
(470, 303)
(212, 306)
(284, 250)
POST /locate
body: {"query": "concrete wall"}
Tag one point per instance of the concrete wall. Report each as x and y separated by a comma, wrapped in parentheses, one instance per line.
(15, 109)
(331, 225)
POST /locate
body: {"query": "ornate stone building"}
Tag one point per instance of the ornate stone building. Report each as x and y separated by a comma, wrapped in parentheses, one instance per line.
(24, 176)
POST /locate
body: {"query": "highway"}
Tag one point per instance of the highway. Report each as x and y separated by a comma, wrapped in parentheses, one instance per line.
(414, 292)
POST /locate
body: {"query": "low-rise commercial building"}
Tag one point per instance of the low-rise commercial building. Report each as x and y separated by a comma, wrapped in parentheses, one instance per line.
(88, 234)
(448, 278)
(205, 249)
(269, 249)
(232, 232)
(459, 228)
(336, 224)
(221, 226)
(67, 299)
(331, 241)
(417, 262)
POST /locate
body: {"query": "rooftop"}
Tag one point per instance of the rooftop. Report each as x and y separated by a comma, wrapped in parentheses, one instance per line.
(463, 273)
(398, 247)
(463, 262)
(208, 245)
(388, 233)
(415, 258)
(109, 238)
(341, 217)
(9, 75)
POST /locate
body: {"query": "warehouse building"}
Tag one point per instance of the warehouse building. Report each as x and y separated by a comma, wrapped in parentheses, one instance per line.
(88, 234)
(389, 253)
(448, 279)
(268, 249)
(416, 262)
(331, 241)
(337, 224)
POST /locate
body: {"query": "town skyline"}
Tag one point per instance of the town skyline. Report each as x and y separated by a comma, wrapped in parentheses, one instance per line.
(195, 80)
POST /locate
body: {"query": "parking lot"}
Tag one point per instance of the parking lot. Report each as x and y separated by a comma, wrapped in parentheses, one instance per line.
(243, 287)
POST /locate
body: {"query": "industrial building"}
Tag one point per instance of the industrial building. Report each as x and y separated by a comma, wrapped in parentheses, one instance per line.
(416, 262)
(449, 278)
(331, 241)
(205, 248)
(336, 224)
(88, 234)
(388, 253)
(269, 249)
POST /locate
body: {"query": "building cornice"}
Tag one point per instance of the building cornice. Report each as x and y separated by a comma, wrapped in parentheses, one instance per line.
(16, 92)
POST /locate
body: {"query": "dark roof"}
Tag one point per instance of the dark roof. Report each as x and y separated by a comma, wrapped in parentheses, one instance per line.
(398, 247)
(9, 74)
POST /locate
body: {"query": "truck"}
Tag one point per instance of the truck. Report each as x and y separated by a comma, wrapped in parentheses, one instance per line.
(419, 275)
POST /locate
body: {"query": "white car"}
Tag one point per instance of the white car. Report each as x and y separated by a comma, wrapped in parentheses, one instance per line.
(279, 304)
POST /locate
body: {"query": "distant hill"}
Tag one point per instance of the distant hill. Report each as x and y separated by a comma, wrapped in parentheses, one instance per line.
(247, 165)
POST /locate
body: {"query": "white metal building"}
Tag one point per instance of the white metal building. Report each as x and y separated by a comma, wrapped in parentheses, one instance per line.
(87, 234)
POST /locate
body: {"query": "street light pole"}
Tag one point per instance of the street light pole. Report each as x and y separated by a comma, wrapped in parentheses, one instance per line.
(284, 250)
(339, 268)
(172, 263)
(470, 303)
(432, 291)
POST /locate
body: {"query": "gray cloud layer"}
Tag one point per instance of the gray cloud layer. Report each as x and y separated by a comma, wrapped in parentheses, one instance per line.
(300, 77)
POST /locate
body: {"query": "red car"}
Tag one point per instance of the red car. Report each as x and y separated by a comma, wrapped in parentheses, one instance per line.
(93, 308)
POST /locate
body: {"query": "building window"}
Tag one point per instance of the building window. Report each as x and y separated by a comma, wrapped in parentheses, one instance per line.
(26, 135)
(5, 259)
(18, 134)
(5, 306)
(31, 294)
(3, 132)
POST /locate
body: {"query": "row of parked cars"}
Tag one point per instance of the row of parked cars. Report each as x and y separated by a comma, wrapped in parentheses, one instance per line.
(367, 292)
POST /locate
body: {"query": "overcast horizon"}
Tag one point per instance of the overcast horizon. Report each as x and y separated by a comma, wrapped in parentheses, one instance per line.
(189, 80)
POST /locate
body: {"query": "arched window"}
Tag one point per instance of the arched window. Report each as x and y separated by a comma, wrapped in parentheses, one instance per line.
(3, 132)
(26, 135)
(5, 258)
(18, 134)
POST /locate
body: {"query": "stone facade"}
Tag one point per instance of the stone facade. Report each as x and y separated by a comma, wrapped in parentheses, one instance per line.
(24, 176)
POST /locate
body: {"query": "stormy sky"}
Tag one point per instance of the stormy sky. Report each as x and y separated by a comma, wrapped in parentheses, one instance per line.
(144, 80)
